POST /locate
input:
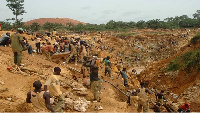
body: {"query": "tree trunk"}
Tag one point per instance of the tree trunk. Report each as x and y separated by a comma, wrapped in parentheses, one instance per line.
(16, 16)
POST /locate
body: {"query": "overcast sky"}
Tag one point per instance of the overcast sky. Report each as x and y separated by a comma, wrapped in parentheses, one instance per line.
(102, 11)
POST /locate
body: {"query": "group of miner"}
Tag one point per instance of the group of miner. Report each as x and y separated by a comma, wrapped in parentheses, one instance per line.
(79, 51)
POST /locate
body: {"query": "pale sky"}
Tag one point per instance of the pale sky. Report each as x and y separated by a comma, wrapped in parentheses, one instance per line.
(102, 11)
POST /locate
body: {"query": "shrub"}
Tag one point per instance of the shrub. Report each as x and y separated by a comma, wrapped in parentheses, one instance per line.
(195, 39)
(189, 61)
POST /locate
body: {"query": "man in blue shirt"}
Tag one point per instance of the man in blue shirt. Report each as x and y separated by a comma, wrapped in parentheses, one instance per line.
(124, 76)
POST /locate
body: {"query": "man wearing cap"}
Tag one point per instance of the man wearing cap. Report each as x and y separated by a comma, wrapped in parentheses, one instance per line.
(53, 85)
(40, 99)
(17, 46)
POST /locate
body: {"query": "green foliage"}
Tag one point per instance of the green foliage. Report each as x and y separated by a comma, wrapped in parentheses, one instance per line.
(189, 61)
(6, 26)
(195, 39)
(197, 15)
(141, 24)
(154, 24)
(18, 24)
(127, 34)
(174, 65)
(17, 7)
(48, 26)
(79, 27)
(35, 26)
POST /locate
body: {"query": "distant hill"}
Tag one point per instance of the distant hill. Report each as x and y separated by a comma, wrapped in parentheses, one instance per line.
(62, 21)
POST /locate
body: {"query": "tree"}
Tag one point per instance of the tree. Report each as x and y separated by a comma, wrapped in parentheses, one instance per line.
(154, 24)
(79, 27)
(141, 24)
(17, 7)
(6, 26)
(18, 24)
(35, 26)
(132, 24)
(70, 24)
(48, 26)
(111, 24)
(169, 19)
(197, 15)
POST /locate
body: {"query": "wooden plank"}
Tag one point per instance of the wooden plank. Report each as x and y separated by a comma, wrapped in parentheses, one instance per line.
(60, 55)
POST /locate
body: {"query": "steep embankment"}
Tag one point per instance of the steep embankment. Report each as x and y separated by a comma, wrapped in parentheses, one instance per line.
(181, 82)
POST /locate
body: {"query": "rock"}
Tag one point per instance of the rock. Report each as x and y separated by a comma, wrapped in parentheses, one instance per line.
(69, 103)
(51, 100)
(82, 109)
(2, 83)
(81, 93)
(79, 89)
(79, 104)
(98, 108)
(9, 99)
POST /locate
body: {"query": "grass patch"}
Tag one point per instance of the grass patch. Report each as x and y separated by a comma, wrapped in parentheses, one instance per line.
(155, 33)
(189, 61)
(127, 34)
(195, 39)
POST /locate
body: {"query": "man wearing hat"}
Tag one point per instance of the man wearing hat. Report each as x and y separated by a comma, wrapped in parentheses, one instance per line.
(17, 46)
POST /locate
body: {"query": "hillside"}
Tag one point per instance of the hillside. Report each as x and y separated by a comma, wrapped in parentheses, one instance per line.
(182, 83)
(62, 21)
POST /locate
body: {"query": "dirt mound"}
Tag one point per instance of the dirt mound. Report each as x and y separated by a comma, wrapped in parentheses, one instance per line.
(62, 21)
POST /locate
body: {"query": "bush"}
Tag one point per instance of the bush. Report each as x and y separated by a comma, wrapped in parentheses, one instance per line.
(174, 65)
(127, 34)
(189, 61)
(195, 39)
